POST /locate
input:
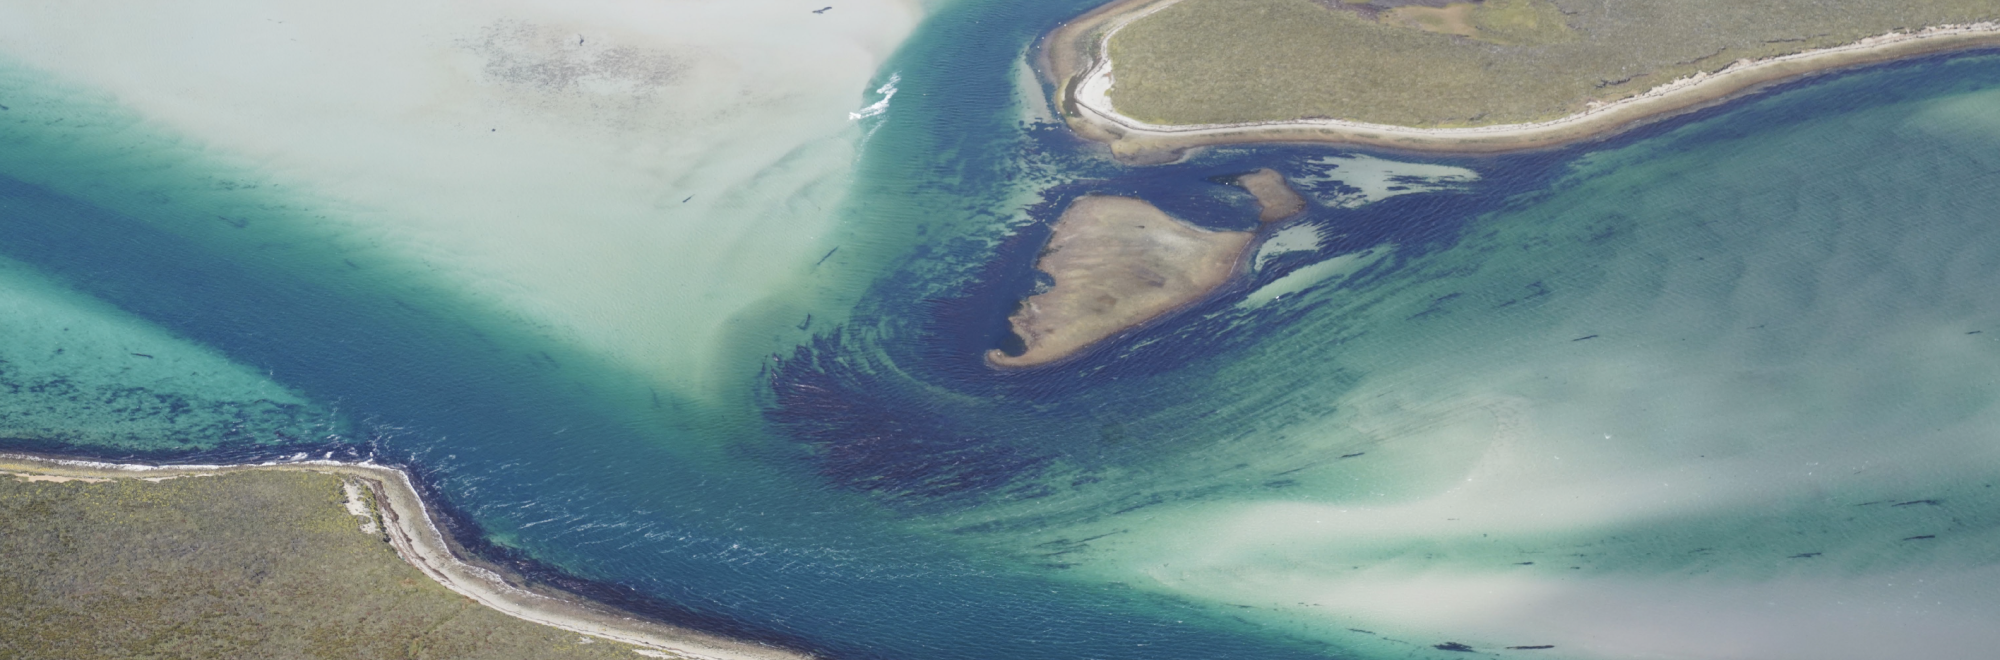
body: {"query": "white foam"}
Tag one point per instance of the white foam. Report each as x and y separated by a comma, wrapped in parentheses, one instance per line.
(887, 90)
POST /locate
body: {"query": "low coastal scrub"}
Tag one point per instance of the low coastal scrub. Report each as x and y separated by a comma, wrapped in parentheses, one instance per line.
(1434, 64)
(242, 565)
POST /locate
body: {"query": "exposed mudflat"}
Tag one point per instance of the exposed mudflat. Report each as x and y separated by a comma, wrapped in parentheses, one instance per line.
(1117, 262)
(1275, 199)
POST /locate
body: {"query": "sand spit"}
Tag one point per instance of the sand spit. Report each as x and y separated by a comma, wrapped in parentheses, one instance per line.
(417, 539)
(1077, 57)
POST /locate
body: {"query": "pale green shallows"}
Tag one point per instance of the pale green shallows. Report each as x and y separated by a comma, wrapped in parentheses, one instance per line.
(1740, 382)
(75, 370)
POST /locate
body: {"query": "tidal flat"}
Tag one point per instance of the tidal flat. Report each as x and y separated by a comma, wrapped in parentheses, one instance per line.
(1276, 200)
(1117, 262)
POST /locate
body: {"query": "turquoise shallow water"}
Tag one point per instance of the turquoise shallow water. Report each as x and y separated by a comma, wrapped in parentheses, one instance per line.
(1741, 357)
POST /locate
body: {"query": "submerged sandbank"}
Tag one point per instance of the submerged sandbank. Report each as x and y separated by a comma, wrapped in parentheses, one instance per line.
(417, 538)
(1076, 58)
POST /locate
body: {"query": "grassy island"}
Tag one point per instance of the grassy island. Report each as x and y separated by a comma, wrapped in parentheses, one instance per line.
(282, 561)
(245, 565)
(1364, 69)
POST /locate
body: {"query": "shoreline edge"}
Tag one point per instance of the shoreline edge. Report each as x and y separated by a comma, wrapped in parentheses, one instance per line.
(418, 540)
(1075, 59)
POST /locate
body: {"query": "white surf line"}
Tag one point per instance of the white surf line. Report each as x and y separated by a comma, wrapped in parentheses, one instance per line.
(1093, 92)
(418, 540)
(887, 90)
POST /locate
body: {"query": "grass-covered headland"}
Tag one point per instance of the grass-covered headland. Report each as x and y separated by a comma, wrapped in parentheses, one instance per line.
(247, 564)
(1431, 63)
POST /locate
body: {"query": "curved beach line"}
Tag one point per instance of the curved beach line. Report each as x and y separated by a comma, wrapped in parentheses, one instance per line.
(1085, 98)
(419, 541)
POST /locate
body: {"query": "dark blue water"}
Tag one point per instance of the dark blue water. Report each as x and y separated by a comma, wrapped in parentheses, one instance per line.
(807, 511)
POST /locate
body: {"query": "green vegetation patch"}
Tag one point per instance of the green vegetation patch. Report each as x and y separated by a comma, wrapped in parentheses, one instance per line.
(244, 565)
(1438, 65)
(1520, 22)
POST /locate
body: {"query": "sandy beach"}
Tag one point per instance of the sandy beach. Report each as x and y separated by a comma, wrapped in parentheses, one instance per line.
(418, 540)
(1075, 57)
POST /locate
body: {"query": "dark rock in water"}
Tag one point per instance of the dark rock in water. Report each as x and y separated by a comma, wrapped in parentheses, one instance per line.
(1452, 646)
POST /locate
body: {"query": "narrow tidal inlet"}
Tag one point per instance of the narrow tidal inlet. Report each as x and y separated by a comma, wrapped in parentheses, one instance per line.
(1708, 385)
